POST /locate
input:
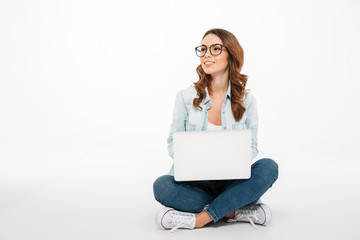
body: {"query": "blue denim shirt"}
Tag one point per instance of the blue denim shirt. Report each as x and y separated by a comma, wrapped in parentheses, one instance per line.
(188, 118)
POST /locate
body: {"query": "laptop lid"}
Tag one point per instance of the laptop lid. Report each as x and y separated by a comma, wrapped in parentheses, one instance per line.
(212, 155)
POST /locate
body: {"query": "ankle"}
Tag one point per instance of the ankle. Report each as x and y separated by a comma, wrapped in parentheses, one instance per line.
(202, 219)
(230, 215)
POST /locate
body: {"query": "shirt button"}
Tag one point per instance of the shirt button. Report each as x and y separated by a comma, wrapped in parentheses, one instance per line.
(224, 127)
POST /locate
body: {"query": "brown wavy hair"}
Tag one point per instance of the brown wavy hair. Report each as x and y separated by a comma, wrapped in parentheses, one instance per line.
(238, 80)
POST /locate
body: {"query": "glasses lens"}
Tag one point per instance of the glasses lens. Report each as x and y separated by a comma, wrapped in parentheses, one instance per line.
(200, 51)
(215, 49)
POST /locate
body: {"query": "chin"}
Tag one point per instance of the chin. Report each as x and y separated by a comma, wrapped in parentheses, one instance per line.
(211, 72)
(207, 71)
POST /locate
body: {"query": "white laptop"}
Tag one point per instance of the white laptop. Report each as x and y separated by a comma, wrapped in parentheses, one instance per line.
(212, 155)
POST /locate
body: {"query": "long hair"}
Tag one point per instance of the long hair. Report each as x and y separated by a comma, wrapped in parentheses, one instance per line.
(238, 80)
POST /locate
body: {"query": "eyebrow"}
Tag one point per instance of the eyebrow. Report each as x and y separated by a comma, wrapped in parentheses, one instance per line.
(211, 44)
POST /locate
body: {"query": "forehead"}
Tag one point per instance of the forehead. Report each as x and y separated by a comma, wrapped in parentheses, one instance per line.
(211, 39)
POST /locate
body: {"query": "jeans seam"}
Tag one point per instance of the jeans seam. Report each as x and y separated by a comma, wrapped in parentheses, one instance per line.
(211, 213)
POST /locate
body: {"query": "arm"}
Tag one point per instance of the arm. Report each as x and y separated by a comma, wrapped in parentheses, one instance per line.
(180, 115)
(252, 122)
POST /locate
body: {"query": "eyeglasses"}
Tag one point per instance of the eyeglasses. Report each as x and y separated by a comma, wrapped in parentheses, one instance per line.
(215, 50)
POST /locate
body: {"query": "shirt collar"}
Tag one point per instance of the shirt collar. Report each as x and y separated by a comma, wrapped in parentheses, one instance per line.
(228, 94)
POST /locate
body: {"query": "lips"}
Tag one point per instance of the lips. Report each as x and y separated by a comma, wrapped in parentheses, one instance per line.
(208, 62)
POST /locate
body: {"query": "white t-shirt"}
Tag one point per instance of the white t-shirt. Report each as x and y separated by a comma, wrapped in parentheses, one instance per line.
(213, 127)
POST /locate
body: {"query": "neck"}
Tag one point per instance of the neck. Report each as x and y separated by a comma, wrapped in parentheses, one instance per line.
(219, 84)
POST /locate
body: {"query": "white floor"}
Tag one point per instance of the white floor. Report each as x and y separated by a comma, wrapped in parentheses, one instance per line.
(108, 206)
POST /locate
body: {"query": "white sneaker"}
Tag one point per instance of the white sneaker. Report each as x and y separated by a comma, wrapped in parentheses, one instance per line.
(255, 213)
(170, 218)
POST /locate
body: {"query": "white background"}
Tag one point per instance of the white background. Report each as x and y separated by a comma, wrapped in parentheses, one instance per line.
(87, 91)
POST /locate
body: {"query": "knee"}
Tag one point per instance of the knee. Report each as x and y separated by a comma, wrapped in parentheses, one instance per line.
(269, 168)
(160, 185)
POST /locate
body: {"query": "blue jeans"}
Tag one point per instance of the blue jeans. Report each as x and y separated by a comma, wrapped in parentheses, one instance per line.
(217, 197)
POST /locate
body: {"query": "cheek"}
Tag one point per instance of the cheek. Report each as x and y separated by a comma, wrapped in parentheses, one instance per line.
(224, 62)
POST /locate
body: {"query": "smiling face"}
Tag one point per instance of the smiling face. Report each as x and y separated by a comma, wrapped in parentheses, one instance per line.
(214, 65)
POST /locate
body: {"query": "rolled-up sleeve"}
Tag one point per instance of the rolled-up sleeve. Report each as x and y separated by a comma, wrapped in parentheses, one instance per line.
(178, 124)
(252, 122)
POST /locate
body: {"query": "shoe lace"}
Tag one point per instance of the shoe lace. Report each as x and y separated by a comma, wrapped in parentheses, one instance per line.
(179, 220)
(248, 214)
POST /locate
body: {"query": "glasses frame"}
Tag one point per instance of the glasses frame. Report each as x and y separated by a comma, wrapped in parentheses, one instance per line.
(196, 51)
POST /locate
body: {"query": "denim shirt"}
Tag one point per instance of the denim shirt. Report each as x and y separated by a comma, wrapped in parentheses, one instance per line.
(188, 118)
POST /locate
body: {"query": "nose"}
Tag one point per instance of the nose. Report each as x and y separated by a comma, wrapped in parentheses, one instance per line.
(207, 54)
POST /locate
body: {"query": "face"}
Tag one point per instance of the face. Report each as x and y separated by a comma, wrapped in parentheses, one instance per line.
(214, 65)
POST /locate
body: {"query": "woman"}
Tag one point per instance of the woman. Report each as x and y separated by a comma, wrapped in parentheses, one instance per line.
(218, 101)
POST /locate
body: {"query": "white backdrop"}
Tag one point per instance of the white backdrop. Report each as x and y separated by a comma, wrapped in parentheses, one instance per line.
(87, 87)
